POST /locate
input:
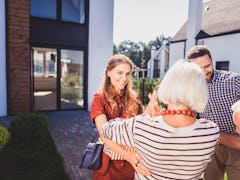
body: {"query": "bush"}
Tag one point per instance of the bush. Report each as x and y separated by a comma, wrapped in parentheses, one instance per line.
(4, 136)
(72, 79)
(144, 87)
(31, 152)
(72, 94)
(28, 126)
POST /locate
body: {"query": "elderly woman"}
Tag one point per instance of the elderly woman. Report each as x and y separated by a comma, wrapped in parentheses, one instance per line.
(173, 144)
(236, 115)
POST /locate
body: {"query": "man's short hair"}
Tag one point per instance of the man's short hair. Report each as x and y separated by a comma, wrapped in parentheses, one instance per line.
(198, 51)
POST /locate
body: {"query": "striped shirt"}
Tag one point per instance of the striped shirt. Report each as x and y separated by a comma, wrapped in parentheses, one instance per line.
(169, 153)
(224, 90)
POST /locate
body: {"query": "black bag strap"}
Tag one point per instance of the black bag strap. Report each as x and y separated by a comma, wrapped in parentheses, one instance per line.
(95, 138)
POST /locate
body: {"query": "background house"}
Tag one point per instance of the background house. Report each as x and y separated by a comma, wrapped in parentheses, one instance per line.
(159, 62)
(138, 72)
(215, 23)
(52, 53)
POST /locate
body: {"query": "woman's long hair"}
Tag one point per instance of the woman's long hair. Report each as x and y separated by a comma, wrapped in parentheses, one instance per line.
(130, 97)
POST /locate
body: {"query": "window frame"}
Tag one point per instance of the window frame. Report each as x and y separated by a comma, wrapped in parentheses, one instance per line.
(59, 14)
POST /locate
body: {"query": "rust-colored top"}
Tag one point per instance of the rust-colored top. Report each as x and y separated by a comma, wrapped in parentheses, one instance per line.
(101, 106)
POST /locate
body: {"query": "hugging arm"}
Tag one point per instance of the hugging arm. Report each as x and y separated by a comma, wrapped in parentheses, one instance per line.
(131, 157)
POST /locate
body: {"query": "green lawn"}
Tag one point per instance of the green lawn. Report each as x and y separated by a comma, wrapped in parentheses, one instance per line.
(225, 177)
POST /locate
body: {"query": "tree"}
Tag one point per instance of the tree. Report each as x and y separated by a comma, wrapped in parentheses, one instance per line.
(132, 50)
(159, 41)
(140, 52)
(146, 56)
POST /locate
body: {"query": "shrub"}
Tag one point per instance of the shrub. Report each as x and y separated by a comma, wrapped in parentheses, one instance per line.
(144, 87)
(72, 79)
(4, 136)
(72, 94)
(31, 152)
(28, 126)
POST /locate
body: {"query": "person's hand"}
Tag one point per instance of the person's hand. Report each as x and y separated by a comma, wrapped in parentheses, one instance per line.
(229, 140)
(152, 108)
(236, 120)
(135, 160)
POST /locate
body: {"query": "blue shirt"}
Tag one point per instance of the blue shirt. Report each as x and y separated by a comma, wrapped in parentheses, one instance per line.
(224, 90)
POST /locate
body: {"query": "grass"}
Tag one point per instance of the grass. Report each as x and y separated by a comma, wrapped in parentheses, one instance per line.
(225, 177)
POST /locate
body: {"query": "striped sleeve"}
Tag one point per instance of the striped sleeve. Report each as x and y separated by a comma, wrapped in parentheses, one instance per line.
(120, 131)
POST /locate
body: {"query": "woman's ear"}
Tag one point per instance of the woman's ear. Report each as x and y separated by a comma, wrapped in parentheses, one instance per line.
(108, 74)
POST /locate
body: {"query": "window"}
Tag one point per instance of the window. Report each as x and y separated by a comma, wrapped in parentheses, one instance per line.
(222, 65)
(73, 11)
(72, 66)
(200, 42)
(70, 10)
(44, 8)
(44, 63)
(58, 83)
(45, 81)
(156, 71)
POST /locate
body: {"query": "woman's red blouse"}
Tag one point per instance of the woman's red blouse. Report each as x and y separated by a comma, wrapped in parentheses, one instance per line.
(101, 106)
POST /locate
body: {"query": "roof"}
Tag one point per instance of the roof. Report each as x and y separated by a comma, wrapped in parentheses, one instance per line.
(164, 46)
(219, 17)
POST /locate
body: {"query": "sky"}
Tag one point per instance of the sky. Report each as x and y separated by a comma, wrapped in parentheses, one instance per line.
(144, 20)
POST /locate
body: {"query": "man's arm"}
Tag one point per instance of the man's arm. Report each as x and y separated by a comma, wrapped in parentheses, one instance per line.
(229, 140)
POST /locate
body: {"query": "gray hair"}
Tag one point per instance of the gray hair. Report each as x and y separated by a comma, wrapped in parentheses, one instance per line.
(236, 106)
(184, 83)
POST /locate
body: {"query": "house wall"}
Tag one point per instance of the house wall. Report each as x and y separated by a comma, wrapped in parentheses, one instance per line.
(163, 62)
(150, 69)
(18, 51)
(176, 51)
(150, 64)
(225, 48)
(100, 42)
(194, 23)
(3, 89)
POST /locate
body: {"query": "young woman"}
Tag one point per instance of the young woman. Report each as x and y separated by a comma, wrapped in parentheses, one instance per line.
(115, 98)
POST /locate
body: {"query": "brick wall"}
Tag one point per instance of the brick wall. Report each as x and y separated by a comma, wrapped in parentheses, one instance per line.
(18, 56)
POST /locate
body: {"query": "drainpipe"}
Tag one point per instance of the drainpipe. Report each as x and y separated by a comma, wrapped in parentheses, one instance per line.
(3, 82)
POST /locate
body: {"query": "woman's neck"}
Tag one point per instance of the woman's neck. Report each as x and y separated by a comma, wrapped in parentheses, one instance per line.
(178, 120)
(177, 106)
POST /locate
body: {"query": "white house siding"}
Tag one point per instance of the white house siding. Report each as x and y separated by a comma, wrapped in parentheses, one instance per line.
(3, 89)
(100, 42)
(225, 48)
(194, 21)
(164, 60)
(176, 51)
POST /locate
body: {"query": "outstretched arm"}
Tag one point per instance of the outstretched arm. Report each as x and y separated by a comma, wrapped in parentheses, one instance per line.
(152, 107)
